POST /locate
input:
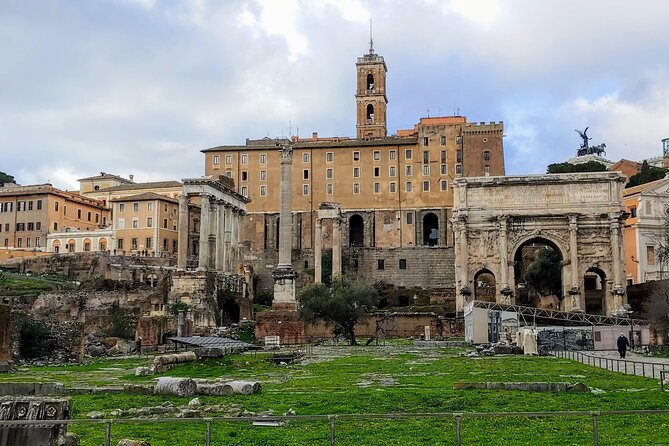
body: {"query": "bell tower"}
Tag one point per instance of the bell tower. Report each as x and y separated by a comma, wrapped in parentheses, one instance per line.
(370, 97)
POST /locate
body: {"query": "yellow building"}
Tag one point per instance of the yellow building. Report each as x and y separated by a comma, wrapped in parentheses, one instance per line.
(145, 225)
(29, 213)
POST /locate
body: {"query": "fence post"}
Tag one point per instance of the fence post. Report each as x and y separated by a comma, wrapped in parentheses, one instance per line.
(457, 430)
(108, 433)
(207, 438)
(643, 369)
(595, 432)
(333, 428)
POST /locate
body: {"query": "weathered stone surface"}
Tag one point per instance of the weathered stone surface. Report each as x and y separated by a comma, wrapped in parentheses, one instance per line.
(522, 386)
(33, 408)
(214, 389)
(128, 442)
(175, 386)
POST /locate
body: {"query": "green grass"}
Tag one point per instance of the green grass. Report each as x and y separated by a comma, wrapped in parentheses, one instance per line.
(421, 381)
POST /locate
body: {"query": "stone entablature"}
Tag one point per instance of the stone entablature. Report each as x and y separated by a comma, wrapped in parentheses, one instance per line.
(582, 215)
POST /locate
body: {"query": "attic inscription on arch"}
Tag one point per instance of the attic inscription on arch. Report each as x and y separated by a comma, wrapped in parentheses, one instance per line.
(572, 223)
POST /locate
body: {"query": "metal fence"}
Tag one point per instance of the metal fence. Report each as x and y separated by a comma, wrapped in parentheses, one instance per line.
(626, 366)
(333, 419)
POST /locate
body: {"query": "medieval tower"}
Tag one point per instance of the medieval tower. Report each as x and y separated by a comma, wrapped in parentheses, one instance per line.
(370, 98)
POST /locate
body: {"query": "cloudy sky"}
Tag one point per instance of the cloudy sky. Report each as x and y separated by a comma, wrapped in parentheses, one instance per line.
(141, 86)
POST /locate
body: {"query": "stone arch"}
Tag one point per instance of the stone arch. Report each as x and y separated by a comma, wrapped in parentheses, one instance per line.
(594, 288)
(430, 229)
(370, 81)
(485, 286)
(102, 244)
(522, 254)
(88, 245)
(55, 246)
(71, 245)
(356, 231)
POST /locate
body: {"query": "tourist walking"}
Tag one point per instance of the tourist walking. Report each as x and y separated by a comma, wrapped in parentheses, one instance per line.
(623, 343)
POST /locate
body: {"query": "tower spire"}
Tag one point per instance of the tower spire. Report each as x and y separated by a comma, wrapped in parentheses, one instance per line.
(371, 39)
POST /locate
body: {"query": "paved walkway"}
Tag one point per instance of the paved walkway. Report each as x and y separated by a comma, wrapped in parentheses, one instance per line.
(633, 364)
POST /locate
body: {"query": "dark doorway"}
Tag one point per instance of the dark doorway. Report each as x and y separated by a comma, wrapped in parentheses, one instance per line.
(430, 229)
(356, 231)
(229, 312)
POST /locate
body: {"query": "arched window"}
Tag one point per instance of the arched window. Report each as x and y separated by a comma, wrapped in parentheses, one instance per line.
(370, 81)
(430, 229)
(370, 114)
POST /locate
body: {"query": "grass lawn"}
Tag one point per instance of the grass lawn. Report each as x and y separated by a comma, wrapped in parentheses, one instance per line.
(390, 379)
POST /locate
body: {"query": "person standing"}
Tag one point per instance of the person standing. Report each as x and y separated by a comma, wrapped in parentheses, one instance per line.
(623, 343)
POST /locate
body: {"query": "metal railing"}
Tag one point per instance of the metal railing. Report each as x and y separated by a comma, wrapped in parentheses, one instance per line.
(629, 367)
(333, 419)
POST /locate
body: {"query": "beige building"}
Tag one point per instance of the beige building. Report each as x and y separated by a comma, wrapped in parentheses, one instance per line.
(74, 240)
(145, 224)
(171, 189)
(29, 213)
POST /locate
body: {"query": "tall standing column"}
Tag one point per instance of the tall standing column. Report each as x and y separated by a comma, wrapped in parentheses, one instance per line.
(228, 238)
(336, 247)
(318, 252)
(575, 290)
(182, 242)
(220, 236)
(617, 267)
(284, 275)
(505, 290)
(464, 292)
(204, 233)
(213, 223)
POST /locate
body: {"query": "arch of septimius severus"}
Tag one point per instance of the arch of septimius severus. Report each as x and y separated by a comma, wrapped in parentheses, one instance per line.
(578, 215)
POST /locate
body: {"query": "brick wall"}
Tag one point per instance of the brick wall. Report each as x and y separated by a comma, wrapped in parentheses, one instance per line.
(5, 340)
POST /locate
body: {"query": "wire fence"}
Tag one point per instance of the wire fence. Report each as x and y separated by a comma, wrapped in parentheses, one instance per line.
(332, 421)
(653, 370)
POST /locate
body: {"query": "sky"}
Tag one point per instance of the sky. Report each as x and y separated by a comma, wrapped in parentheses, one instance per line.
(141, 86)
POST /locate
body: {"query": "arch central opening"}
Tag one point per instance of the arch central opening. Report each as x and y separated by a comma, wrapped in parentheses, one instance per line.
(538, 274)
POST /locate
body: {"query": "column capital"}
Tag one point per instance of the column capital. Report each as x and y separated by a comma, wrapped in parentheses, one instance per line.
(286, 155)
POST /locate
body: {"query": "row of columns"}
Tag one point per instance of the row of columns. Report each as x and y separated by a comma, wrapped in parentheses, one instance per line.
(219, 233)
(336, 249)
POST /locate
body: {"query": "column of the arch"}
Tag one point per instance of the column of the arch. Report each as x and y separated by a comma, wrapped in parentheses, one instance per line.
(618, 290)
(505, 290)
(182, 242)
(336, 247)
(318, 252)
(203, 261)
(575, 289)
(220, 236)
(464, 292)
(228, 235)
(211, 239)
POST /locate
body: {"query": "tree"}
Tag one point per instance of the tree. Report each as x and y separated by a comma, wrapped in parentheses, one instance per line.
(544, 274)
(341, 305)
(646, 175)
(6, 178)
(590, 166)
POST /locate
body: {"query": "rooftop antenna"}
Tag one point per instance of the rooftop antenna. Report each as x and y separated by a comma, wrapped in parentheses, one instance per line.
(371, 40)
(290, 128)
(428, 112)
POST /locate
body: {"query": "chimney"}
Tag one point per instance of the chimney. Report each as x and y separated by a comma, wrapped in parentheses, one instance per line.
(314, 136)
(131, 177)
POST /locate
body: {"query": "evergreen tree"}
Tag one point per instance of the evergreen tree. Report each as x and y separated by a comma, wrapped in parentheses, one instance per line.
(646, 175)
(5, 178)
(590, 166)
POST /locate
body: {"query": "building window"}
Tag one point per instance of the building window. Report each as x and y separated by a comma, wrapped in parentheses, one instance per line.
(133, 243)
(305, 157)
(356, 188)
(426, 186)
(20, 206)
(633, 211)
(392, 187)
(31, 226)
(78, 214)
(444, 185)
(458, 169)
(263, 175)
(443, 157)
(149, 243)
(409, 218)
(403, 263)
(486, 155)
(263, 158)
(392, 154)
(356, 156)
(228, 173)
(89, 216)
(426, 157)
(392, 171)
(245, 191)
(38, 226)
(38, 242)
(121, 223)
(135, 207)
(28, 239)
(329, 157)
(305, 174)
(356, 172)
(245, 175)
(39, 205)
(377, 171)
(408, 154)
(458, 139)
(486, 170)
(426, 170)
(149, 222)
(164, 223)
(380, 264)
(119, 243)
(228, 159)
(328, 188)
(408, 170)
(19, 243)
(329, 173)
(30, 205)
(55, 226)
(458, 156)
(245, 158)
(55, 206)
(444, 169)
(409, 186)
(377, 155)
(443, 140)
(121, 207)
(305, 189)
(425, 140)
(377, 188)
(649, 208)
(263, 190)
(20, 227)
(135, 223)
(149, 206)
(650, 255)
(217, 160)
